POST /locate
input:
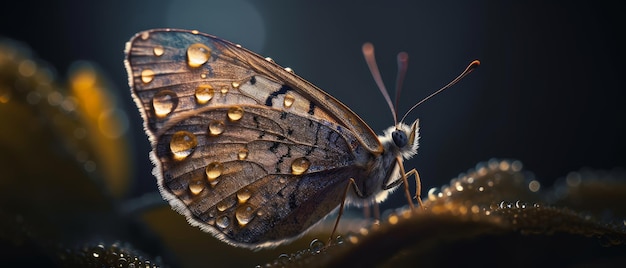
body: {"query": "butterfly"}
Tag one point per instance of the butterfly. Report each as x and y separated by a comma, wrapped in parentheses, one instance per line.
(248, 151)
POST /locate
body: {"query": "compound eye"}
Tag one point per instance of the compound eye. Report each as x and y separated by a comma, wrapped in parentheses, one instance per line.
(399, 138)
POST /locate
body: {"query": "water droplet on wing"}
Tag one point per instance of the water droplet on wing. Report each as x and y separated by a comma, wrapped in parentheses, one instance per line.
(235, 113)
(182, 144)
(204, 93)
(198, 54)
(147, 75)
(164, 102)
(300, 165)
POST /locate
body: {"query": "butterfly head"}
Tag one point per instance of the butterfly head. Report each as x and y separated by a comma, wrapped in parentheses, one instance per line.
(405, 138)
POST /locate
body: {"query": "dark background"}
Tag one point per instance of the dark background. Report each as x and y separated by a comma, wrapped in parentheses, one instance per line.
(549, 92)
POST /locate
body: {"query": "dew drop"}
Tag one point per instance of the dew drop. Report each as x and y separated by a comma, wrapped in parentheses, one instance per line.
(195, 187)
(300, 165)
(458, 187)
(516, 165)
(288, 101)
(224, 90)
(340, 240)
(27, 68)
(5, 95)
(269, 59)
(158, 51)
(504, 165)
(482, 171)
(216, 127)
(289, 70)
(147, 75)
(211, 221)
(203, 75)
(68, 104)
(235, 84)
(432, 194)
(55, 98)
(446, 190)
(225, 204)
(406, 213)
(242, 154)
(98, 251)
(244, 214)
(364, 231)
(204, 93)
(353, 239)
(164, 102)
(213, 171)
(573, 179)
(235, 113)
(283, 260)
(260, 212)
(316, 246)
(534, 186)
(182, 144)
(243, 195)
(493, 164)
(463, 209)
(393, 219)
(198, 54)
(282, 180)
(223, 222)
(122, 262)
(475, 209)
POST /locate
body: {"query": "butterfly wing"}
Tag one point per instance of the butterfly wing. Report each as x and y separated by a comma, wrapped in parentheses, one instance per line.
(229, 63)
(245, 150)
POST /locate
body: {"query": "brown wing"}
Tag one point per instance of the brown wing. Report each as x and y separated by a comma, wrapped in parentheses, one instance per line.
(225, 66)
(245, 150)
(263, 180)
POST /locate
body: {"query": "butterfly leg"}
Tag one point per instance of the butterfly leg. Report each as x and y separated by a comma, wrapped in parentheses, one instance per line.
(371, 212)
(418, 186)
(376, 212)
(406, 183)
(366, 209)
(351, 182)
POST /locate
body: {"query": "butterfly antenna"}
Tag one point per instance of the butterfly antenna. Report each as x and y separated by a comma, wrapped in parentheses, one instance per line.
(368, 53)
(467, 71)
(403, 65)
